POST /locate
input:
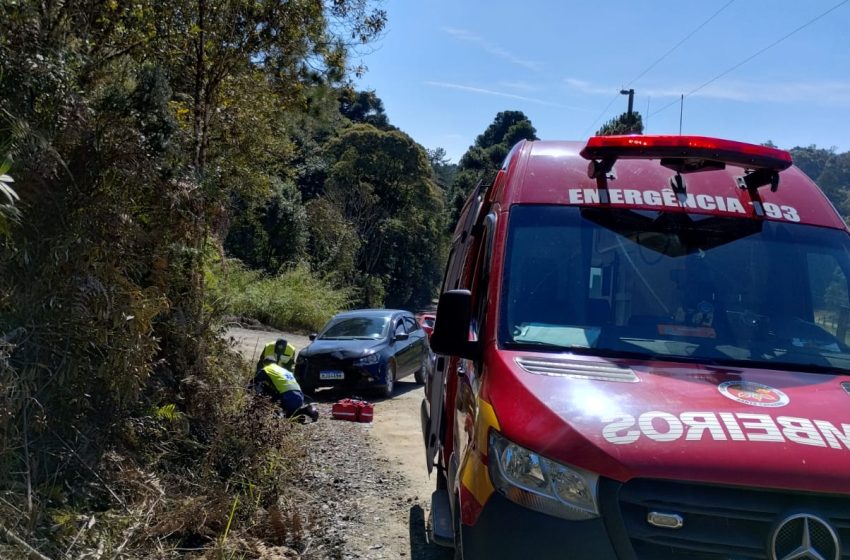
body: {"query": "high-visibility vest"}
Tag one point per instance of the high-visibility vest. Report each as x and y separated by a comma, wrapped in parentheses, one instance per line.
(282, 379)
(284, 359)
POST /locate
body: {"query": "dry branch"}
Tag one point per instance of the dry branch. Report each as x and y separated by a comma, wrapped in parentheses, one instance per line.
(31, 552)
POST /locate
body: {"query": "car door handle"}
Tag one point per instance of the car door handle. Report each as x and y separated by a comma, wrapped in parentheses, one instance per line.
(461, 371)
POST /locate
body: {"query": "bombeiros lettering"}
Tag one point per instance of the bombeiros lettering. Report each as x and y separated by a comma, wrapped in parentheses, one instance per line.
(667, 198)
(666, 427)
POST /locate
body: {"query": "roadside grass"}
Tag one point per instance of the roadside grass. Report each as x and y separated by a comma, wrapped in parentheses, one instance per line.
(295, 299)
(209, 478)
(119, 439)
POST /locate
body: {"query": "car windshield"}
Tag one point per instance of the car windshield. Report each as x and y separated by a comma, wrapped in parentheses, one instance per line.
(676, 286)
(372, 328)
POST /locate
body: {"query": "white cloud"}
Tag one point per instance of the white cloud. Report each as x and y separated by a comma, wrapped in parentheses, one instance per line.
(587, 87)
(469, 37)
(822, 93)
(484, 91)
(520, 86)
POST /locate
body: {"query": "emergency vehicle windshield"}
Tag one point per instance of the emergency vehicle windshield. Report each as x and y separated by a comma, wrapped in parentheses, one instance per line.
(689, 287)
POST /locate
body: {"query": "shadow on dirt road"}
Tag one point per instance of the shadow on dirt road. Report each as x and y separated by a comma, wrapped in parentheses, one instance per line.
(420, 548)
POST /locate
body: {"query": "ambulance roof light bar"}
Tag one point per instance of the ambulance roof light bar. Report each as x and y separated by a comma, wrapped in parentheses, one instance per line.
(686, 154)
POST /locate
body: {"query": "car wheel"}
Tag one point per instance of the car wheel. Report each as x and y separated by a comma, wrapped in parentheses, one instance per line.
(419, 374)
(387, 390)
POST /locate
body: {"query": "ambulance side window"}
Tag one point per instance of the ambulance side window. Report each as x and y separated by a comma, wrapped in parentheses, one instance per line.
(482, 275)
(829, 294)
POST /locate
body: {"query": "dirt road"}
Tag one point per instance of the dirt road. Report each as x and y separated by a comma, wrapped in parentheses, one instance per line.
(377, 469)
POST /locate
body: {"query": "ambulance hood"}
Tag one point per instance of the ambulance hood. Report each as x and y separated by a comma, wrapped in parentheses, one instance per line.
(682, 421)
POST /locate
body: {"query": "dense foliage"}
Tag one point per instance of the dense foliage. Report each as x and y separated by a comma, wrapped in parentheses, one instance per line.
(133, 129)
(626, 123)
(830, 170)
(484, 158)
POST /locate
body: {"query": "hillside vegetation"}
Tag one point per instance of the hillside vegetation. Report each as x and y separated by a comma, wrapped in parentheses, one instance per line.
(163, 166)
(138, 135)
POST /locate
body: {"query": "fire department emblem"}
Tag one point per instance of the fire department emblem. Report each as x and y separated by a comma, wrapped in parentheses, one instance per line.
(753, 394)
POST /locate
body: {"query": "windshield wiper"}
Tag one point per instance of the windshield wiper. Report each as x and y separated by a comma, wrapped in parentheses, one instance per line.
(801, 367)
(535, 345)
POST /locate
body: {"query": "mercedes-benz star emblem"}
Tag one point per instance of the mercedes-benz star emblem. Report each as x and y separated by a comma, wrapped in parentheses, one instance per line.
(804, 537)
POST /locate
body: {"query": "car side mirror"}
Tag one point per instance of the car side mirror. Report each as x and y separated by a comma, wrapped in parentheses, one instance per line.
(401, 336)
(313, 336)
(451, 330)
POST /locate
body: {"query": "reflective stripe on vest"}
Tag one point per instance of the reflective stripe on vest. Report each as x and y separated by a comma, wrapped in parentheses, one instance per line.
(281, 378)
(282, 359)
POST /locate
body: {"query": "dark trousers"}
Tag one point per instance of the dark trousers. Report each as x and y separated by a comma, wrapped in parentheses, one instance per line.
(291, 401)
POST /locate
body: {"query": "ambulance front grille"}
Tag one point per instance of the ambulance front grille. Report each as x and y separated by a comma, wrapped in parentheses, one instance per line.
(719, 522)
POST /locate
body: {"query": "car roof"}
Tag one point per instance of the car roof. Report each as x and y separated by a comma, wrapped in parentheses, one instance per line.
(553, 172)
(371, 313)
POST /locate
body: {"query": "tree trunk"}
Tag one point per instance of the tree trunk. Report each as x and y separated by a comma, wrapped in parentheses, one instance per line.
(200, 98)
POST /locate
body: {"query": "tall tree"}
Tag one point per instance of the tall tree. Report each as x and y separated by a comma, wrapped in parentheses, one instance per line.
(363, 107)
(381, 184)
(623, 124)
(132, 126)
(483, 159)
(444, 169)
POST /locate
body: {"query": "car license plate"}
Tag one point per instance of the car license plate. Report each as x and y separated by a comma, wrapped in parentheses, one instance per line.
(330, 374)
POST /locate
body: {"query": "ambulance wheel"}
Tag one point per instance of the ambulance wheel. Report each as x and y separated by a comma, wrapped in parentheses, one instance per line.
(387, 390)
(419, 374)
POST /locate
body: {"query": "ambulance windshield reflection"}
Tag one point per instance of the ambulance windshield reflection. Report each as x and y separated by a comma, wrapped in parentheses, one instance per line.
(686, 287)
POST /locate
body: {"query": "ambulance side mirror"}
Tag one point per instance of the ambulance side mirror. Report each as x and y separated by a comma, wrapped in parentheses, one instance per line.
(451, 330)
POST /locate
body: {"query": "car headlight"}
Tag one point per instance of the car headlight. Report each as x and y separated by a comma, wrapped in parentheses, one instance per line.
(369, 360)
(538, 483)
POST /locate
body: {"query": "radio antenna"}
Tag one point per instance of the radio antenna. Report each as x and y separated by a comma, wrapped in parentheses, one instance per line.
(681, 110)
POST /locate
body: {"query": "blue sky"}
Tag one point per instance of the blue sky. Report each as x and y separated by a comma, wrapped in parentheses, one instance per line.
(444, 68)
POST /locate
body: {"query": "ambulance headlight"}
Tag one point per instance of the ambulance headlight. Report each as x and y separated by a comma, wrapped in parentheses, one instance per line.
(369, 360)
(538, 483)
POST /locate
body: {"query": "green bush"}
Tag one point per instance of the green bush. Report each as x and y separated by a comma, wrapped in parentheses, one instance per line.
(293, 300)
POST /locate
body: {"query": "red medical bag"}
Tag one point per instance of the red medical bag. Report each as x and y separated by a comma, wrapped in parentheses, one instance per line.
(353, 410)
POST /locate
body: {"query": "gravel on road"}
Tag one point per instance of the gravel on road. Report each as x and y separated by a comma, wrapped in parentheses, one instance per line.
(369, 479)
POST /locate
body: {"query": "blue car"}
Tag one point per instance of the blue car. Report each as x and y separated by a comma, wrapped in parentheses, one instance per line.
(371, 347)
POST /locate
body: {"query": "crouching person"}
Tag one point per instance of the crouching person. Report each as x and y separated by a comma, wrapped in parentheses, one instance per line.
(280, 384)
(282, 351)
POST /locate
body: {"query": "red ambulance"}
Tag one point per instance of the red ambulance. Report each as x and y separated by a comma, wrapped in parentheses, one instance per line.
(643, 354)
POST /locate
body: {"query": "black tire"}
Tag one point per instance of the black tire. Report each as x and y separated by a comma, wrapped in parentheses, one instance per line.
(419, 374)
(387, 390)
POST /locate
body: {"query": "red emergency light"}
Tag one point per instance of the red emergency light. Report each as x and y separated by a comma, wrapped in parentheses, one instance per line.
(750, 156)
